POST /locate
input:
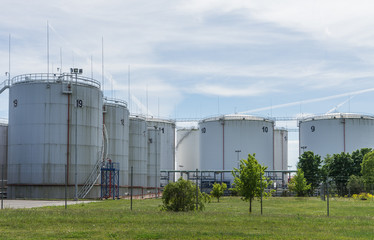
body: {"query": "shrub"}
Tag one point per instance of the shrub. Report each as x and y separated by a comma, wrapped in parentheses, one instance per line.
(362, 196)
(218, 190)
(181, 196)
(355, 184)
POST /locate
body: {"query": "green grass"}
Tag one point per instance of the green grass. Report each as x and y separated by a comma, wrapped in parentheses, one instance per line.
(283, 218)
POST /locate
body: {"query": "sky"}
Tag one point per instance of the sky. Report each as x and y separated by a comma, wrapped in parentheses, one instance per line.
(188, 60)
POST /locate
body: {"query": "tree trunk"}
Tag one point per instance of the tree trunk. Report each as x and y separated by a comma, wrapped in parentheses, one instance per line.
(218, 199)
(250, 205)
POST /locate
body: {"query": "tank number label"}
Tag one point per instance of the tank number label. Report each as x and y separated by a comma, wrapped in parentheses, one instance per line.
(15, 102)
(79, 103)
(313, 128)
(265, 129)
(123, 121)
(203, 130)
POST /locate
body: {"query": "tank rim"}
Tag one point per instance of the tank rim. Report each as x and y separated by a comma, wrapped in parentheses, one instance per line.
(54, 78)
(332, 116)
(235, 117)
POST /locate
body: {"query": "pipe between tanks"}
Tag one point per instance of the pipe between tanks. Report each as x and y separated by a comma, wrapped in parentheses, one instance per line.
(344, 134)
(68, 141)
(223, 144)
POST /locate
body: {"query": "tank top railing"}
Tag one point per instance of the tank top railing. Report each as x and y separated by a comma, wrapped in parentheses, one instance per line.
(53, 77)
(115, 101)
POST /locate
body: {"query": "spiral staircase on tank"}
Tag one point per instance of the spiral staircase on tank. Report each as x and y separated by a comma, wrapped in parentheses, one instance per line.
(96, 171)
(4, 85)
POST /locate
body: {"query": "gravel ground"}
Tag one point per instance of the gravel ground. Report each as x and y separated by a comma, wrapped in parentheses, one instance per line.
(36, 203)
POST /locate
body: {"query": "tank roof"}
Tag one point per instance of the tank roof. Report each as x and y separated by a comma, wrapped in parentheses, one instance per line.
(115, 102)
(336, 116)
(54, 78)
(140, 117)
(3, 122)
(280, 129)
(233, 117)
(159, 120)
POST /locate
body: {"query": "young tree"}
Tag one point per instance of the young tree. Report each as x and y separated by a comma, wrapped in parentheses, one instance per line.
(298, 184)
(218, 190)
(310, 164)
(181, 196)
(249, 180)
(367, 170)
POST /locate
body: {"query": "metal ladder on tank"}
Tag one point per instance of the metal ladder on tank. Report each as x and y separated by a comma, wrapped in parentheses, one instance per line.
(96, 171)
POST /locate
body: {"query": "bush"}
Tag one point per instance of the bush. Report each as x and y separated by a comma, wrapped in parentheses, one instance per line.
(355, 184)
(218, 190)
(362, 196)
(181, 196)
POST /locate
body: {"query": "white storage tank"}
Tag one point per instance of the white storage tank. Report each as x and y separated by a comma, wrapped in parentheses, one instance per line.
(167, 142)
(117, 124)
(154, 153)
(336, 133)
(280, 149)
(188, 149)
(138, 153)
(226, 139)
(45, 112)
(3, 151)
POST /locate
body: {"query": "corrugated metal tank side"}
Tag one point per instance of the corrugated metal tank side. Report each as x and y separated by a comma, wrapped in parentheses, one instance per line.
(251, 137)
(359, 134)
(220, 138)
(37, 139)
(322, 137)
(3, 150)
(117, 123)
(153, 165)
(167, 133)
(188, 149)
(329, 135)
(138, 153)
(211, 145)
(280, 149)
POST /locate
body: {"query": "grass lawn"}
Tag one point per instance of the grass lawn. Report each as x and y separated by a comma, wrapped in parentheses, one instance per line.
(283, 218)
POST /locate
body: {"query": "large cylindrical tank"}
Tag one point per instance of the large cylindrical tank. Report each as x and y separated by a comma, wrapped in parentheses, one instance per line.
(188, 149)
(3, 151)
(50, 116)
(336, 133)
(226, 139)
(138, 153)
(167, 143)
(280, 149)
(116, 132)
(154, 154)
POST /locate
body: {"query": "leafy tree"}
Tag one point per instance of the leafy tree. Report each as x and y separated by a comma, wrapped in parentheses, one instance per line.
(367, 170)
(218, 190)
(310, 164)
(249, 181)
(340, 169)
(357, 157)
(299, 184)
(355, 184)
(181, 196)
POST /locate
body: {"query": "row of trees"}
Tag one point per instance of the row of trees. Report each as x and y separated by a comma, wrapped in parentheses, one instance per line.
(350, 173)
(249, 183)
